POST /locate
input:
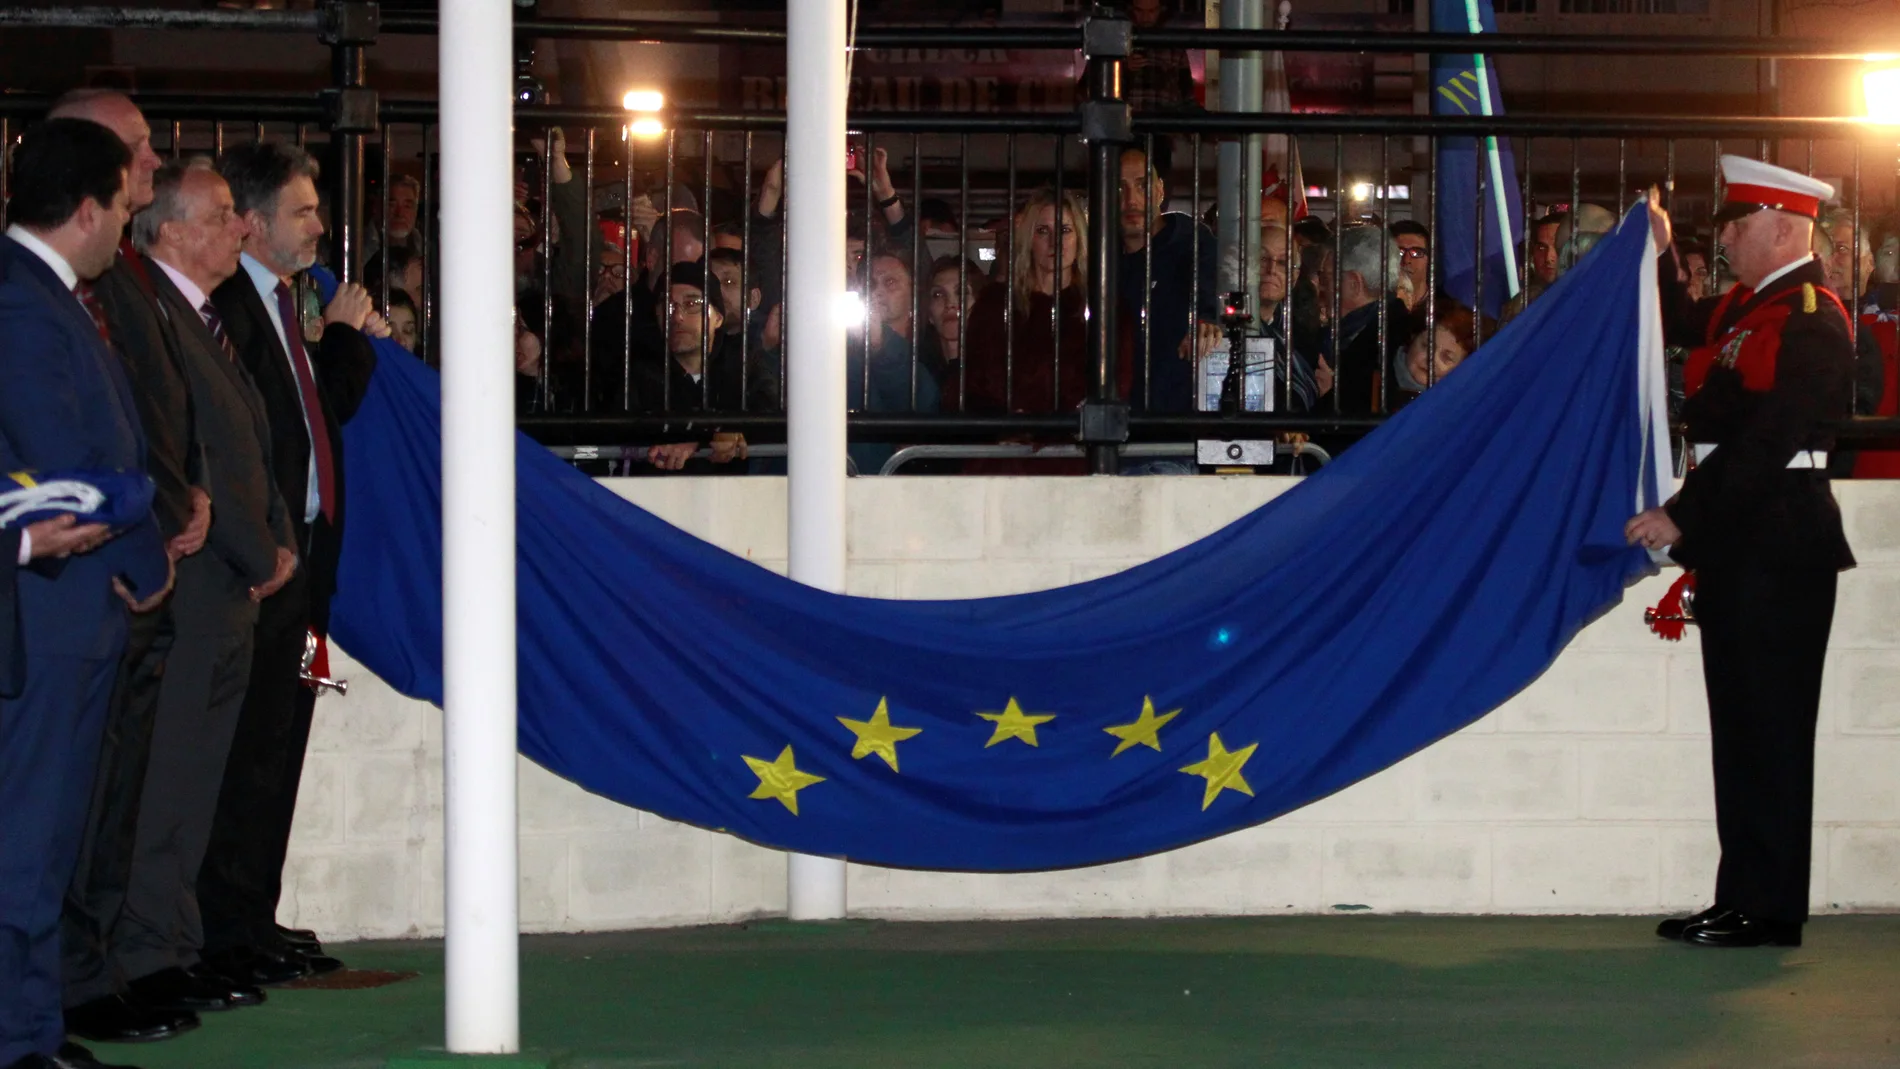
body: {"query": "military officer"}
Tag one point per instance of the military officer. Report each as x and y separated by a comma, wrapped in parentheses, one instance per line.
(1771, 366)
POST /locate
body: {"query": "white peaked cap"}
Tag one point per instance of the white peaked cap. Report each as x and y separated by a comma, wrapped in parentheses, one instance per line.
(1750, 182)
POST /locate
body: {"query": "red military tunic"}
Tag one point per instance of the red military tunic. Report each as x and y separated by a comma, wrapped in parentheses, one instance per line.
(1767, 373)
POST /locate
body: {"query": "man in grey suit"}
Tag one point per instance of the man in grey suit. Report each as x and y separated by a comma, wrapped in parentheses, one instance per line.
(191, 236)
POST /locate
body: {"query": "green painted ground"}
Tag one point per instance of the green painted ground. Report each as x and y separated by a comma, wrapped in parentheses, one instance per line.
(1305, 992)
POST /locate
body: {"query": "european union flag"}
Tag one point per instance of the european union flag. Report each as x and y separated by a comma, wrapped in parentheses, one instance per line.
(117, 499)
(1404, 591)
(1466, 84)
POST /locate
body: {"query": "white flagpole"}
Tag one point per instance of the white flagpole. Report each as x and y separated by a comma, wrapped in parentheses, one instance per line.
(1503, 229)
(816, 87)
(483, 1012)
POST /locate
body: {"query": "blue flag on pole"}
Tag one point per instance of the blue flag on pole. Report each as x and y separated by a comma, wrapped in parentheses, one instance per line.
(1467, 84)
(1404, 591)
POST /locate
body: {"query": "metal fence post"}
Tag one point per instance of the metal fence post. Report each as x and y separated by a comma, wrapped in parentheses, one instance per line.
(349, 27)
(1106, 127)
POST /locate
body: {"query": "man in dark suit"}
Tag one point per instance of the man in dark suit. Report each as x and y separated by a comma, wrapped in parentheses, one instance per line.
(310, 387)
(65, 403)
(95, 1002)
(190, 237)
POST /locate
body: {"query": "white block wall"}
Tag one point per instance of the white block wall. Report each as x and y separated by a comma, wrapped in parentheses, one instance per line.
(1588, 793)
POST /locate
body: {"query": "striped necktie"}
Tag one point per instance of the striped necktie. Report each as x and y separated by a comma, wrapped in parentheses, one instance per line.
(215, 324)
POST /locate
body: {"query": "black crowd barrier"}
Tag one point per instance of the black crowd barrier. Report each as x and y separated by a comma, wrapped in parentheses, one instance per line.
(962, 340)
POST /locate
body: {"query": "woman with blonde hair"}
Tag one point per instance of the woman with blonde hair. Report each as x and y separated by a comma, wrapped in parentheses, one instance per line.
(1011, 361)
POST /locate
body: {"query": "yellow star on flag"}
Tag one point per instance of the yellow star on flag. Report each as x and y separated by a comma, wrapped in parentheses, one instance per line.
(1221, 769)
(878, 735)
(1013, 723)
(1145, 731)
(780, 779)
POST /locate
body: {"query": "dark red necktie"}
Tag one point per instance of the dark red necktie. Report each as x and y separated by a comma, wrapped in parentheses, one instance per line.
(90, 299)
(312, 404)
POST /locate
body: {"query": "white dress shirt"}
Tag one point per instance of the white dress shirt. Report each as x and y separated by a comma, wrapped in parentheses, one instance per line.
(267, 282)
(194, 296)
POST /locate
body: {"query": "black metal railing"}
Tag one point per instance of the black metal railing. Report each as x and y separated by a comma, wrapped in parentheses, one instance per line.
(586, 342)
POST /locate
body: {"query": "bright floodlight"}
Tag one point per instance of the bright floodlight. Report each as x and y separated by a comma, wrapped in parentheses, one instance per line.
(1362, 191)
(850, 309)
(1882, 88)
(643, 100)
(648, 127)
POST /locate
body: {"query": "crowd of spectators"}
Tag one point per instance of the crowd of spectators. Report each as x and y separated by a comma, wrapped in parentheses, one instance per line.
(982, 319)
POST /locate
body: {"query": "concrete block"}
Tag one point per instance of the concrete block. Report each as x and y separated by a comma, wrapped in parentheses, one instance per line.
(543, 891)
(1688, 856)
(1688, 695)
(382, 803)
(1595, 690)
(1085, 570)
(1857, 781)
(916, 519)
(1860, 695)
(372, 717)
(1864, 616)
(1080, 519)
(1622, 626)
(1648, 779)
(1118, 890)
(545, 802)
(681, 501)
(747, 880)
(320, 796)
(749, 515)
(1385, 797)
(1197, 507)
(656, 875)
(358, 893)
(1575, 869)
(1498, 778)
(1430, 869)
(873, 891)
(1870, 512)
(1863, 868)
(873, 579)
(1264, 869)
(949, 580)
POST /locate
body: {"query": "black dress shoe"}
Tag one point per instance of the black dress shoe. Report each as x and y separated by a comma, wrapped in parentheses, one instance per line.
(319, 964)
(239, 994)
(301, 939)
(250, 968)
(74, 1056)
(1674, 927)
(1733, 928)
(113, 1019)
(176, 990)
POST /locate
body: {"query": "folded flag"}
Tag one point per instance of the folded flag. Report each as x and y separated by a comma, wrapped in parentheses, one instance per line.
(114, 498)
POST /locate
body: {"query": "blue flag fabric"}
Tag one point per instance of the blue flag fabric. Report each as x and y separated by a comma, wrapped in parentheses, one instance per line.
(118, 499)
(1431, 572)
(1461, 160)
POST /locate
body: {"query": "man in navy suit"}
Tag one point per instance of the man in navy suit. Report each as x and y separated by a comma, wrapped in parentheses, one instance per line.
(65, 404)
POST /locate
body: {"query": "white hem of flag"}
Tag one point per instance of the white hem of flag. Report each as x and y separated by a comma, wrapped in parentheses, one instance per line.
(1652, 385)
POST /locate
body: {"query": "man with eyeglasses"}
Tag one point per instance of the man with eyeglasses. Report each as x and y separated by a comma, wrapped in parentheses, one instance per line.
(1415, 249)
(700, 371)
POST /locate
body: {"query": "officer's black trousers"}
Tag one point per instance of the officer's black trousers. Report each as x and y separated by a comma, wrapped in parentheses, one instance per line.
(1764, 641)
